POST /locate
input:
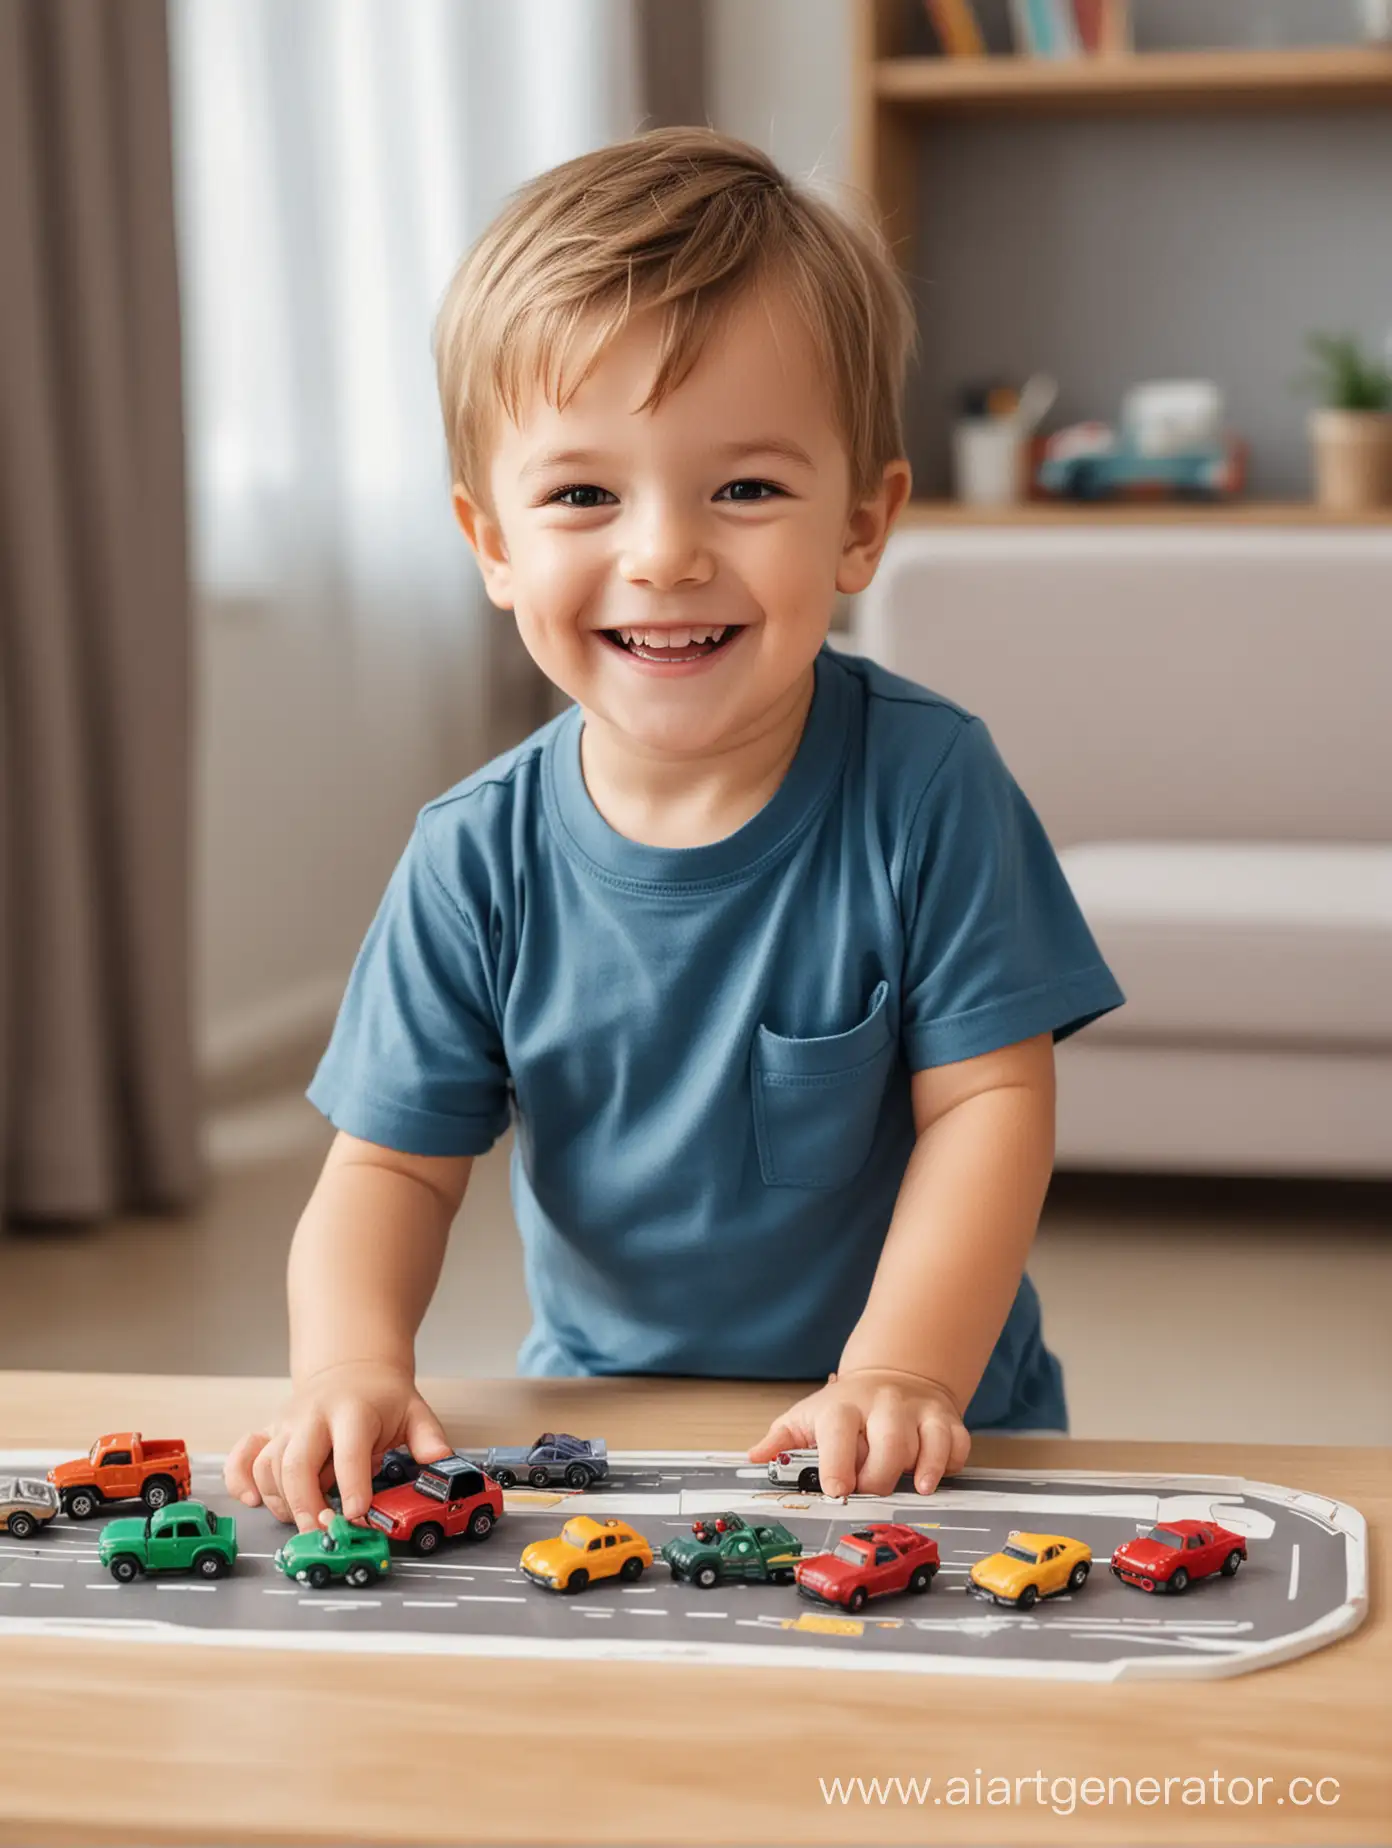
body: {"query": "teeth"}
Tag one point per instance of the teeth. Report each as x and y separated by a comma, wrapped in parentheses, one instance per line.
(675, 639)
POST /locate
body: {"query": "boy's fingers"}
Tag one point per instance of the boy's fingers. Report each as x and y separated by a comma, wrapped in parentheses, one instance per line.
(893, 1444)
(266, 1473)
(838, 1435)
(305, 1455)
(355, 1430)
(959, 1451)
(237, 1470)
(425, 1435)
(780, 1436)
(934, 1448)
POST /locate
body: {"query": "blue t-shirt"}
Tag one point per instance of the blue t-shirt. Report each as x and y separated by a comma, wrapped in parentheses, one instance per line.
(706, 1050)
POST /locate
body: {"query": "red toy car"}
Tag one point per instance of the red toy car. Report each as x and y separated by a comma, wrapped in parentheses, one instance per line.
(1171, 1556)
(872, 1562)
(446, 1500)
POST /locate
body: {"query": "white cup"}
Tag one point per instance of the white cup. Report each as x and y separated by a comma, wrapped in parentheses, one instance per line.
(989, 461)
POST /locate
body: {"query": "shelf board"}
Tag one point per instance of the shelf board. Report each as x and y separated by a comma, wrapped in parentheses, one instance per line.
(947, 513)
(1308, 76)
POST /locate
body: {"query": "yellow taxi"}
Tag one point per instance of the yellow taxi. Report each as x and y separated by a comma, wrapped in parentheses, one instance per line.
(1032, 1566)
(585, 1551)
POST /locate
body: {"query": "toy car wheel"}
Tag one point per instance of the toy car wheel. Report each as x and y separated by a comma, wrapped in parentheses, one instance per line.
(578, 1580)
(427, 1537)
(631, 1569)
(1228, 1567)
(921, 1579)
(81, 1504)
(783, 1576)
(480, 1523)
(1027, 1599)
(809, 1481)
(705, 1576)
(537, 1477)
(1179, 1580)
(210, 1565)
(1077, 1578)
(22, 1525)
(505, 1479)
(856, 1598)
(317, 1577)
(158, 1492)
(578, 1477)
(125, 1569)
(358, 1577)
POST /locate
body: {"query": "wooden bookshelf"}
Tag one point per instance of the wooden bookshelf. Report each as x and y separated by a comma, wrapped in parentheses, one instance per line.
(1313, 77)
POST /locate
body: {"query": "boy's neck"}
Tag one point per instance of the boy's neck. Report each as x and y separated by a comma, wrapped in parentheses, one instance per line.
(691, 802)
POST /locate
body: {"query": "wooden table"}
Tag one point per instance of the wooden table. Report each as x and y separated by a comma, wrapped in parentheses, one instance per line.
(101, 1743)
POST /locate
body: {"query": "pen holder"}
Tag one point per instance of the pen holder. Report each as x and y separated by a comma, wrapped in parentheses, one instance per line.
(990, 461)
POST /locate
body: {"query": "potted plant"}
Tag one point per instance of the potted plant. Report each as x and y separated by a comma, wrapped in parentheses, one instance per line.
(1352, 432)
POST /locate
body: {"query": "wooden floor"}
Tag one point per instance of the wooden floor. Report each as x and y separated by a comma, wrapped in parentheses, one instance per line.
(1181, 1309)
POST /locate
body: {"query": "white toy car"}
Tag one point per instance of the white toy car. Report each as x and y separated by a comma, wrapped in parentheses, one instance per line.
(796, 1469)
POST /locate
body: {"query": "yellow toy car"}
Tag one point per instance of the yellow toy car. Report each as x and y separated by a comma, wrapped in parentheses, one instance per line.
(1032, 1566)
(585, 1551)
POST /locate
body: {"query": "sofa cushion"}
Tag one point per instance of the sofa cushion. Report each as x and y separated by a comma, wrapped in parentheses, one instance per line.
(1250, 942)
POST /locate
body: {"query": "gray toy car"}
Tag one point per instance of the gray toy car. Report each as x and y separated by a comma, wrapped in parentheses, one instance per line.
(578, 1462)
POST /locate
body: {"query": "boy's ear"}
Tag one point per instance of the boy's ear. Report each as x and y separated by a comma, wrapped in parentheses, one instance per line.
(869, 528)
(485, 537)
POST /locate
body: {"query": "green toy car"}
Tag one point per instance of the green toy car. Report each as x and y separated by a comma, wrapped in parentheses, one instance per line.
(183, 1536)
(725, 1546)
(354, 1555)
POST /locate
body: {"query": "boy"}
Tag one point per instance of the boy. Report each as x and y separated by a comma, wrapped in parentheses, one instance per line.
(760, 947)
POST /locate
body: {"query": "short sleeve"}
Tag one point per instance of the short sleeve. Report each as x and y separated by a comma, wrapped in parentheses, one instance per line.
(416, 1060)
(996, 947)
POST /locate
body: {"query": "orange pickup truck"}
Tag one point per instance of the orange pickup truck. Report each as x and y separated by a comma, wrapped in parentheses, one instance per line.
(124, 1467)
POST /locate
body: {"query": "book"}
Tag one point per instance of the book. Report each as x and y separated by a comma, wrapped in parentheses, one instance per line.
(957, 28)
(1117, 37)
(1045, 28)
(1090, 17)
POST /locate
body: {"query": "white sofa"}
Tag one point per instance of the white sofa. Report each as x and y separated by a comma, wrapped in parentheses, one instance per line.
(1203, 718)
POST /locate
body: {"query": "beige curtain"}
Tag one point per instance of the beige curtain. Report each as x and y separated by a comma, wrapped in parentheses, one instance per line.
(98, 1106)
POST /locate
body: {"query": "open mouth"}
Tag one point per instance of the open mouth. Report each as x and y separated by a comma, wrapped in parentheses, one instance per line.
(679, 645)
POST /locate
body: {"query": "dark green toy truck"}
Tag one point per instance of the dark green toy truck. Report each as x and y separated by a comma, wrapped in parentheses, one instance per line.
(725, 1546)
(183, 1536)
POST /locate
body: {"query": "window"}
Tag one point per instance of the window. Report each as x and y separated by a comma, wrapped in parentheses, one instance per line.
(611, 1539)
(594, 1546)
(1194, 1540)
(187, 1530)
(115, 1459)
(884, 1555)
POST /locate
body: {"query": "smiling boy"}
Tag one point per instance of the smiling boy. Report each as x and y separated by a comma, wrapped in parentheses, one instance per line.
(759, 947)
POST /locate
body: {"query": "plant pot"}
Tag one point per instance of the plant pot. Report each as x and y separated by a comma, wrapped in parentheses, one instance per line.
(1353, 459)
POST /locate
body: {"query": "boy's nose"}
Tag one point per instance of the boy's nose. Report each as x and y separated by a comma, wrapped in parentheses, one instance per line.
(664, 552)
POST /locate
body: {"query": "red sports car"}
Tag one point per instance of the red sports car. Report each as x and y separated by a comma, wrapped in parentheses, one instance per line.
(1170, 1557)
(872, 1562)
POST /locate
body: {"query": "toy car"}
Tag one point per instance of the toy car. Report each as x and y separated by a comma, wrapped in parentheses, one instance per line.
(123, 1467)
(1032, 1566)
(725, 1546)
(796, 1468)
(585, 1551)
(871, 1562)
(396, 1466)
(182, 1537)
(447, 1500)
(26, 1504)
(355, 1555)
(1172, 1556)
(578, 1462)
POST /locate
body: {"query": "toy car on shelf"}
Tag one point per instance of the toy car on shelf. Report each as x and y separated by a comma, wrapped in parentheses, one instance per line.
(1032, 1566)
(180, 1537)
(27, 1504)
(123, 1467)
(796, 1469)
(355, 1556)
(726, 1546)
(871, 1562)
(578, 1462)
(1171, 1556)
(448, 1500)
(584, 1552)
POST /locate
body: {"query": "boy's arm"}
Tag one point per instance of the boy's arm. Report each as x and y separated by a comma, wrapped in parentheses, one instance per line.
(364, 1263)
(951, 1264)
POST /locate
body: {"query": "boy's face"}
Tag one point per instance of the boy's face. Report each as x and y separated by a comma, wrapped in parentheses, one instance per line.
(722, 513)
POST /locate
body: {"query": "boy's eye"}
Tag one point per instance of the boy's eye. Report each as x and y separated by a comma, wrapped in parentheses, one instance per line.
(588, 494)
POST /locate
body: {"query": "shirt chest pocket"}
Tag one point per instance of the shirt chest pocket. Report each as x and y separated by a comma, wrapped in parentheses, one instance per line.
(817, 1101)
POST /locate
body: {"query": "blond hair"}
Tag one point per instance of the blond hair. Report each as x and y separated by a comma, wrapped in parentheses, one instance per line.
(684, 220)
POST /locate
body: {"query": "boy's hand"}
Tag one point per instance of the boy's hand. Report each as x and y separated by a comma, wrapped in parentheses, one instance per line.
(868, 1427)
(335, 1424)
